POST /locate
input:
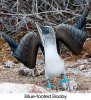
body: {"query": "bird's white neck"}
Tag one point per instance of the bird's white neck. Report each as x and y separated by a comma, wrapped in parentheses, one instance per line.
(50, 49)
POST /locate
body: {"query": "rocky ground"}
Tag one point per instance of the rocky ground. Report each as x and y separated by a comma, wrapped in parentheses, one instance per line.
(78, 69)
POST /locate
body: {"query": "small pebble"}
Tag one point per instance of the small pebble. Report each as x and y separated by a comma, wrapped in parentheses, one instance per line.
(70, 86)
(9, 64)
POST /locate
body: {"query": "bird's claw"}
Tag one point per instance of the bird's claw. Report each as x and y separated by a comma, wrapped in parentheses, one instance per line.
(68, 84)
(65, 82)
(50, 85)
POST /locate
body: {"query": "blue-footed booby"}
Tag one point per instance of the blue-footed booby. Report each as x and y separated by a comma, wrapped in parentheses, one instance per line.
(54, 64)
(72, 36)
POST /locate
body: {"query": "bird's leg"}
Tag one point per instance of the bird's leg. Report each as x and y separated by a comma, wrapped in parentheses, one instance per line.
(48, 80)
(49, 84)
(65, 82)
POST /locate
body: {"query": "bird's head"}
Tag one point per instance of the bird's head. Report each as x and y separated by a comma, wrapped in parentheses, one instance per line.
(45, 30)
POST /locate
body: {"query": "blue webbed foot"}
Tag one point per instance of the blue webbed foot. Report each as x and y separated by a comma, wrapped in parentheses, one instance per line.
(50, 85)
(64, 80)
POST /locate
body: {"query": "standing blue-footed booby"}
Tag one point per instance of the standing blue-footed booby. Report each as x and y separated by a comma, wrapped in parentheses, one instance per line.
(72, 36)
(54, 64)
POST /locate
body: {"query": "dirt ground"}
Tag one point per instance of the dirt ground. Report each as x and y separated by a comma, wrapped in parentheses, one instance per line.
(78, 68)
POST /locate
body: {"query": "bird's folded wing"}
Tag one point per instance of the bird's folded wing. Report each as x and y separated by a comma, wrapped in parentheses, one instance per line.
(72, 37)
(27, 50)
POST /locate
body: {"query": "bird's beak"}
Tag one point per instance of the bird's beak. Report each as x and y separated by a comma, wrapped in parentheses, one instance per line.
(39, 29)
(40, 32)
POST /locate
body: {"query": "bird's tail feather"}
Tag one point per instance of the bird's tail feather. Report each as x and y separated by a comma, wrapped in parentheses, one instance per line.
(81, 24)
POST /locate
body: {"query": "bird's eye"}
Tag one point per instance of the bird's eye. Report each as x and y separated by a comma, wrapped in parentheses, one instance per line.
(47, 29)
